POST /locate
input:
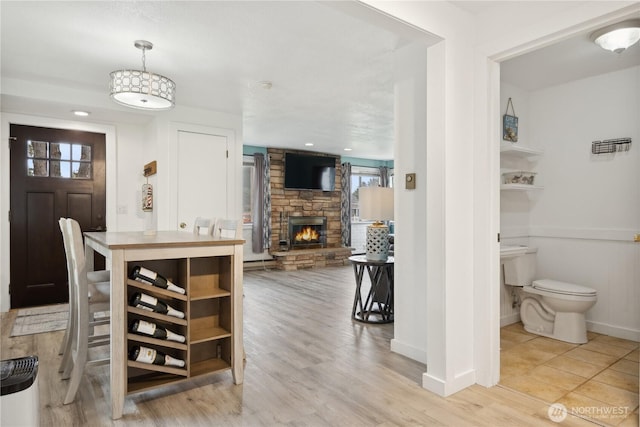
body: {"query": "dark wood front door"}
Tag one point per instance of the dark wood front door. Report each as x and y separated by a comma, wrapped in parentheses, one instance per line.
(54, 173)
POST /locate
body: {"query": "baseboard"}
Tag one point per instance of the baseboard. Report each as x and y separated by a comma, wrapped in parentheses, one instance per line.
(509, 319)
(614, 331)
(447, 388)
(411, 352)
(258, 265)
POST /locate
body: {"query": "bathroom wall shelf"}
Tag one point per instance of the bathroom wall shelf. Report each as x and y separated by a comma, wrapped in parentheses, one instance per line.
(520, 187)
(519, 150)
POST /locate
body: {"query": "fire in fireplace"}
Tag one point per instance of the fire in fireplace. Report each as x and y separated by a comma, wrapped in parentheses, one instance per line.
(307, 232)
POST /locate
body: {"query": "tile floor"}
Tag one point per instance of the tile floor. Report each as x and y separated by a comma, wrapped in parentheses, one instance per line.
(598, 380)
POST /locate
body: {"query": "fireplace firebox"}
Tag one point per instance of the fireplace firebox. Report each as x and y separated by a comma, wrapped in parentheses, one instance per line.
(307, 232)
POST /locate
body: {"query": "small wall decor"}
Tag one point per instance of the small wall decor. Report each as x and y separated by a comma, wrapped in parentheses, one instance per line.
(510, 124)
(610, 146)
(147, 189)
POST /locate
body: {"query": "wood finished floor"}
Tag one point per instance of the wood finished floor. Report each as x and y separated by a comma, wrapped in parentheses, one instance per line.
(308, 364)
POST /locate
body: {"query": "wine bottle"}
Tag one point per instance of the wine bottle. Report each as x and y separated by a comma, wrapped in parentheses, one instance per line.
(151, 356)
(147, 302)
(143, 275)
(142, 327)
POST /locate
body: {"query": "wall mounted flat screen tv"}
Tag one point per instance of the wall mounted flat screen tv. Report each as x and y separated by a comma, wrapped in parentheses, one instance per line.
(309, 172)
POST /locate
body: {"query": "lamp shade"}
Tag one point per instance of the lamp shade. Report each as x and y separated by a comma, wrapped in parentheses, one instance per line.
(376, 203)
(140, 88)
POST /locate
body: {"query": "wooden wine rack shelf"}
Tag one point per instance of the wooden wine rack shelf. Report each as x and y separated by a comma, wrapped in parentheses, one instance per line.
(208, 305)
(158, 342)
(158, 368)
(208, 366)
(157, 316)
(210, 270)
(203, 335)
(155, 290)
(213, 293)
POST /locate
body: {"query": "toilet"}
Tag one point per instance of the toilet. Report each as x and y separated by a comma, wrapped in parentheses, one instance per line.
(549, 308)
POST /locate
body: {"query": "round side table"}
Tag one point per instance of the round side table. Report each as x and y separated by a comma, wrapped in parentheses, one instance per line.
(377, 306)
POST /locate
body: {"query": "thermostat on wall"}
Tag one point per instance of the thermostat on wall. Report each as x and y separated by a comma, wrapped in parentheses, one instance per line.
(410, 181)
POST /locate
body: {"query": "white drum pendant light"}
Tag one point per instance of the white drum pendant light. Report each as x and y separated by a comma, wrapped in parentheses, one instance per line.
(142, 89)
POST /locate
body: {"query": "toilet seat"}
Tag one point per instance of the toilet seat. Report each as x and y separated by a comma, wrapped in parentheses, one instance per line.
(562, 288)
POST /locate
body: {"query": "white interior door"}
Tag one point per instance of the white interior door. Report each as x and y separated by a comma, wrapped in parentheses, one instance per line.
(202, 187)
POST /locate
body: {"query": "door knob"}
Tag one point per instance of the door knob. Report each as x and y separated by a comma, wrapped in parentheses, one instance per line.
(183, 225)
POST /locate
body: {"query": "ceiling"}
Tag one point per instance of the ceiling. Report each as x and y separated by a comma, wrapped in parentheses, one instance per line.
(330, 67)
(573, 58)
(331, 71)
(568, 60)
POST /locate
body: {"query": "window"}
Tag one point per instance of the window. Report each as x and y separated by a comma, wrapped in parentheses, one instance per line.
(58, 160)
(248, 170)
(361, 177)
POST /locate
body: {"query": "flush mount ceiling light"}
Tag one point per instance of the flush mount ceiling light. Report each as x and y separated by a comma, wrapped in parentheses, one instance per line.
(618, 37)
(142, 89)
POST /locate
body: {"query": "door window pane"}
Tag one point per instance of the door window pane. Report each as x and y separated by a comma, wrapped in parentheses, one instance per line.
(38, 149)
(82, 152)
(60, 151)
(59, 160)
(81, 170)
(37, 167)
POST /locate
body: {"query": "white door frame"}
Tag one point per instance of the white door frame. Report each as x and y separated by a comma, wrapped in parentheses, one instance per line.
(488, 350)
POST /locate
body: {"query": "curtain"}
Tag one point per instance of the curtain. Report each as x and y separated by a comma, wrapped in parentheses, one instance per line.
(345, 205)
(266, 208)
(261, 204)
(384, 176)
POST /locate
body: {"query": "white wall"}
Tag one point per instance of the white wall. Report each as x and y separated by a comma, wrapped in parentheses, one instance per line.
(584, 220)
(515, 206)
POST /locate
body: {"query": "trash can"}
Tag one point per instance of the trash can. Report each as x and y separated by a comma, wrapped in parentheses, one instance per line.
(19, 403)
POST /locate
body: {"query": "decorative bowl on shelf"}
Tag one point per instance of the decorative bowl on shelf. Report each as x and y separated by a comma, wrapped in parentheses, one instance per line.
(518, 177)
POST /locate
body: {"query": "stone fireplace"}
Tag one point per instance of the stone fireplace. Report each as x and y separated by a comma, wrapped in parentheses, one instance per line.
(290, 206)
(306, 232)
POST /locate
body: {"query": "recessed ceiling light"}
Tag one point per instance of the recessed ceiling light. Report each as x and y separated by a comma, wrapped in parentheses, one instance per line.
(347, 149)
(81, 113)
(309, 144)
(266, 85)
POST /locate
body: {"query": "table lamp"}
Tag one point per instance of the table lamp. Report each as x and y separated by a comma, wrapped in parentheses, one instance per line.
(376, 203)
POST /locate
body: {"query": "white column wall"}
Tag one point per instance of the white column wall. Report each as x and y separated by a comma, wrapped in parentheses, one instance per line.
(449, 327)
(410, 156)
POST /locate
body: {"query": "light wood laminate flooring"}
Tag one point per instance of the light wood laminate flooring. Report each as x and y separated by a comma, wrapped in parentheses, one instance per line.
(307, 363)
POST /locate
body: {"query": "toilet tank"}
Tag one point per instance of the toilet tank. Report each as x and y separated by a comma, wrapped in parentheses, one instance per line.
(520, 271)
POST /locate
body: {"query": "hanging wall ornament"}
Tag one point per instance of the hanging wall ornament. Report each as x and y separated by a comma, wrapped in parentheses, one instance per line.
(510, 124)
(147, 197)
